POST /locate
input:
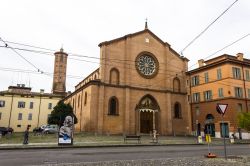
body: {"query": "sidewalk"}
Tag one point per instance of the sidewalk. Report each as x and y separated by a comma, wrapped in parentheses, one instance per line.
(111, 141)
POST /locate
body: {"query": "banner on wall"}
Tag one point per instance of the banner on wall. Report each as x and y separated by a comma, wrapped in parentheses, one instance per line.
(65, 135)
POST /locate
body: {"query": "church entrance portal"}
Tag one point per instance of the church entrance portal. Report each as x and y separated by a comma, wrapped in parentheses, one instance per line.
(147, 111)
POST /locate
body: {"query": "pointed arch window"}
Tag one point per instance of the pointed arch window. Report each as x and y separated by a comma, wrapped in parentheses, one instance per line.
(176, 85)
(177, 110)
(114, 76)
(113, 106)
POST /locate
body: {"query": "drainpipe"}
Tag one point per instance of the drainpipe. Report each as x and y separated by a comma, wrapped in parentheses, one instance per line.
(39, 110)
(191, 104)
(244, 83)
(11, 109)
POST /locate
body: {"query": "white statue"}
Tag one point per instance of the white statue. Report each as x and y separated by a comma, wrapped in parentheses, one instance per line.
(66, 129)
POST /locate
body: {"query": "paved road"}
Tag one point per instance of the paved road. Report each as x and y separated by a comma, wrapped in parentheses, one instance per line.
(53, 156)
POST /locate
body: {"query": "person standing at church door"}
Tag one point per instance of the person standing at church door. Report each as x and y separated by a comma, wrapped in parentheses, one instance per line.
(26, 136)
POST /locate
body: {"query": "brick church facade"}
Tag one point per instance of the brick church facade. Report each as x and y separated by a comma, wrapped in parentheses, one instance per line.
(139, 87)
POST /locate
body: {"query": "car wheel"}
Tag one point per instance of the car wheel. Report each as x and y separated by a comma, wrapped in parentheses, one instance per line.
(46, 132)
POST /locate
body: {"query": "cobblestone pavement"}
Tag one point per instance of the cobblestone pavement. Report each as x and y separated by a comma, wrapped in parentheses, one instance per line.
(195, 161)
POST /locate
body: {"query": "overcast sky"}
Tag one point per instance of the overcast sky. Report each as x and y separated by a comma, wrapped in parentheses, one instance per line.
(79, 26)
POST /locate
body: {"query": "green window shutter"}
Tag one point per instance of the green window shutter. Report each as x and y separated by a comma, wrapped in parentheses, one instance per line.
(247, 75)
(234, 72)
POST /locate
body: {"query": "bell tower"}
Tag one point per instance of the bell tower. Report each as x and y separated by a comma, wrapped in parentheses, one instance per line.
(60, 67)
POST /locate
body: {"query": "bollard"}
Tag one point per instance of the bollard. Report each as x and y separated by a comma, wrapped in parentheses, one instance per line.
(199, 139)
(155, 139)
(232, 139)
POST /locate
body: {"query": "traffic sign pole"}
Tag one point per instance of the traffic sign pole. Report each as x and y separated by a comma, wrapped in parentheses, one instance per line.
(221, 109)
(224, 137)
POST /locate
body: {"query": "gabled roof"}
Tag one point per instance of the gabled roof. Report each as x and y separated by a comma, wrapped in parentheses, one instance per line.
(132, 35)
(141, 32)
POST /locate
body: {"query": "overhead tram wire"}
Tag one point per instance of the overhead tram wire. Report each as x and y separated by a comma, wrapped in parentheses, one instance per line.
(174, 75)
(70, 54)
(35, 72)
(73, 54)
(142, 85)
(169, 75)
(51, 53)
(236, 41)
(229, 45)
(27, 45)
(129, 68)
(222, 82)
(202, 32)
(50, 75)
(29, 50)
(79, 55)
(117, 61)
(6, 45)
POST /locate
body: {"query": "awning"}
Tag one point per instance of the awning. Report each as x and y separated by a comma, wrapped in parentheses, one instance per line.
(147, 110)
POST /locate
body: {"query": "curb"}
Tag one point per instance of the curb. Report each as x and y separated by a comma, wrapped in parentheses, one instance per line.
(30, 147)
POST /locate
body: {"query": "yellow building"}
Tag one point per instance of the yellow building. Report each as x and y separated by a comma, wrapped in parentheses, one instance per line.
(221, 80)
(19, 107)
(138, 88)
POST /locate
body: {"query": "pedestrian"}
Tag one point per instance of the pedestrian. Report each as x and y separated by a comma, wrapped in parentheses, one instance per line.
(26, 136)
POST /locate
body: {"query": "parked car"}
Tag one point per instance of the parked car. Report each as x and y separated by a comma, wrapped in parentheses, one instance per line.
(50, 129)
(6, 130)
(39, 130)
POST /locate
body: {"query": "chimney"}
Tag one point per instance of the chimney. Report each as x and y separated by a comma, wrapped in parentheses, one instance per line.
(240, 56)
(201, 62)
(41, 91)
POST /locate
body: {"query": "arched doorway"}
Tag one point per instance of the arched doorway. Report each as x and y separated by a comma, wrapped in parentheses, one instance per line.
(146, 122)
(209, 125)
(147, 115)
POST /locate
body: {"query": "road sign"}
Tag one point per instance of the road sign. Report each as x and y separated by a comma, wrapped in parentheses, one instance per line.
(221, 108)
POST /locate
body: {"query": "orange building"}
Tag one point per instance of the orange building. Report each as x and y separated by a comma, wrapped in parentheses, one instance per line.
(224, 79)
